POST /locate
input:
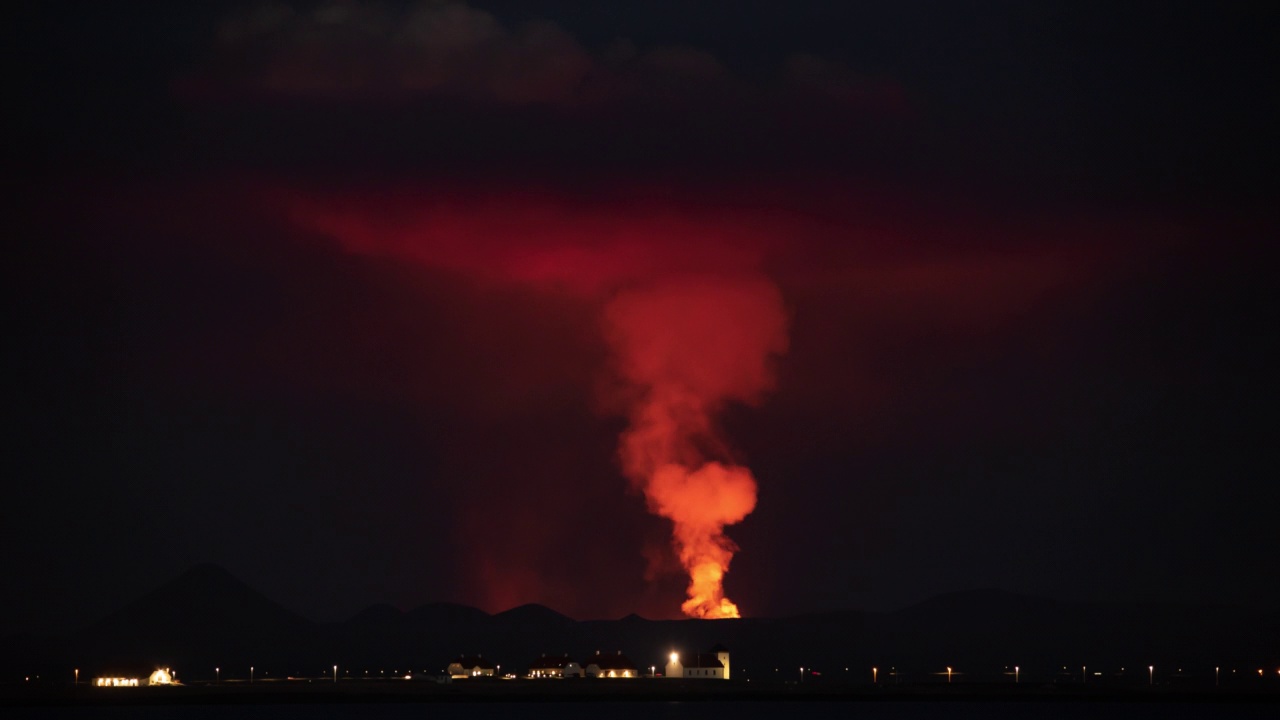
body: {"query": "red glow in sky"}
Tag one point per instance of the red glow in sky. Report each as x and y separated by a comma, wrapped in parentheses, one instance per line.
(691, 324)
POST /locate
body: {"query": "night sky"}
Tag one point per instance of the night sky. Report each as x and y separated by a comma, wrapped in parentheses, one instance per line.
(328, 294)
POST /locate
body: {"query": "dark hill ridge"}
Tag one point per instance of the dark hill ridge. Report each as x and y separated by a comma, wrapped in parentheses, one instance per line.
(379, 617)
(205, 611)
(207, 618)
(447, 614)
(205, 599)
(532, 614)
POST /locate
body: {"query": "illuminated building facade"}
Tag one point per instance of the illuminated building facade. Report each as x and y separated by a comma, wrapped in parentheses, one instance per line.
(556, 666)
(470, 666)
(710, 665)
(610, 666)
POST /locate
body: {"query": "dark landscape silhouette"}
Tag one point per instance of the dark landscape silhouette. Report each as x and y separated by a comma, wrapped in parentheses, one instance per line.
(207, 618)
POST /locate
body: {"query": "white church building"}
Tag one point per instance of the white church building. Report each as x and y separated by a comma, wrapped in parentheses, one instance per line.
(710, 665)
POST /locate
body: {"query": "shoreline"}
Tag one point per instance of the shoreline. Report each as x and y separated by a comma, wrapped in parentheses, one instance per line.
(376, 692)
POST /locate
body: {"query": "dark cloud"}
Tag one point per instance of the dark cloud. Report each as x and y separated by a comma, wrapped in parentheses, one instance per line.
(344, 50)
(442, 89)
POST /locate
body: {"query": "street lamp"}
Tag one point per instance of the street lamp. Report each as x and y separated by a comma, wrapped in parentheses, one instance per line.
(77, 676)
(948, 674)
(1151, 674)
(1216, 669)
(802, 674)
(217, 675)
(1015, 674)
(873, 675)
(335, 674)
(250, 674)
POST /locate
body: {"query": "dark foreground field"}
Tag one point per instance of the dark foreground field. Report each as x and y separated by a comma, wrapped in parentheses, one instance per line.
(637, 691)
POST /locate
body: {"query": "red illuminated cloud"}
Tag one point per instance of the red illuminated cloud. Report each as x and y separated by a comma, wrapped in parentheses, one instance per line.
(540, 240)
(961, 268)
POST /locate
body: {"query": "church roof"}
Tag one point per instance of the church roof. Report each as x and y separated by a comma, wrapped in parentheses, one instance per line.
(703, 660)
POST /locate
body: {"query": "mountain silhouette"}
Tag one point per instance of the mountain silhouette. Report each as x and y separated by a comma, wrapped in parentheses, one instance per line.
(381, 618)
(207, 618)
(532, 615)
(444, 614)
(206, 612)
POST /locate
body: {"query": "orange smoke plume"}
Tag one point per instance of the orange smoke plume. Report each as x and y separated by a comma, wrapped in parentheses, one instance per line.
(695, 329)
(686, 348)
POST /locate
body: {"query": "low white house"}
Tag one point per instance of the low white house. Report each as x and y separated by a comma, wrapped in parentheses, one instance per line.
(710, 665)
(470, 666)
(556, 666)
(602, 665)
(161, 676)
(115, 682)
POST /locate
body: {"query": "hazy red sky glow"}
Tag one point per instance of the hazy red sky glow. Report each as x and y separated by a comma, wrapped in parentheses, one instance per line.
(344, 297)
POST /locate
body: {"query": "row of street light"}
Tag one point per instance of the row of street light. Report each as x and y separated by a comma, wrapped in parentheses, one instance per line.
(1017, 673)
(875, 673)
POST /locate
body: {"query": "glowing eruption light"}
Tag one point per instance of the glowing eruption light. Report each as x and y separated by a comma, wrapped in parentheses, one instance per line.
(691, 323)
(685, 349)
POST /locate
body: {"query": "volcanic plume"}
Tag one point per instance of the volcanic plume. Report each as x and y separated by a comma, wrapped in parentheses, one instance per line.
(691, 326)
(687, 348)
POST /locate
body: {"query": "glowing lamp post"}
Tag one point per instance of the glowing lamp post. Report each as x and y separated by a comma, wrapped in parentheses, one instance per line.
(77, 676)
(874, 671)
(335, 674)
(1015, 674)
(948, 674)
(1151, 674)
(1215, 675)
(217, 675)
(250, 674)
